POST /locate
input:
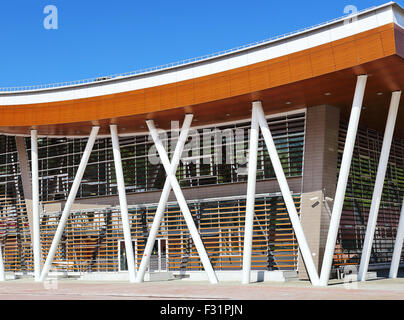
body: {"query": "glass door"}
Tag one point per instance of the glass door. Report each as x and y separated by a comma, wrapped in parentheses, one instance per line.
(123, 263)
(158, 257)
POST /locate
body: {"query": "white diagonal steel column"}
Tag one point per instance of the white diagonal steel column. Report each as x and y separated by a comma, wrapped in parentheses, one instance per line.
(379, 183)
(183, 204)
(69, 202)
(2, 276)
(287, 197)
(398, 245)
(343, 179)
(36, 248)
(123, 203)
(163, 199)
(250, 203)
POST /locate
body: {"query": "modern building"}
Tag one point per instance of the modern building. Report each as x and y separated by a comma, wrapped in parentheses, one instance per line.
(283, 157)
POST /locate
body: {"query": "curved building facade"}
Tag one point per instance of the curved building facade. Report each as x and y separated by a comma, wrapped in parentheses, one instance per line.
(284, 157)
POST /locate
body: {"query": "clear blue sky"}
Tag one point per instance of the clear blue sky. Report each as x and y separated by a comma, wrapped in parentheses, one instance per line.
(96, 38)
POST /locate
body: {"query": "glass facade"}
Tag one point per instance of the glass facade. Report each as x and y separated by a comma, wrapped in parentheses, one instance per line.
(15, 238)
(213, 155)
(358, 198)
(92, 240)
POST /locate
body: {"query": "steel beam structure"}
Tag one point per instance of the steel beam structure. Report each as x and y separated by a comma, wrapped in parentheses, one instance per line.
(283, 184)
(35, 206)
(250, 203)
(379, 183)
(163, 199)
(343, 179)
(123, 203)
(69, 202)
(182, 203)
(398, 246)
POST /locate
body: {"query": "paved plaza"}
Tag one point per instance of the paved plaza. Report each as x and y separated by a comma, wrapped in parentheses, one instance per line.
(24, 289)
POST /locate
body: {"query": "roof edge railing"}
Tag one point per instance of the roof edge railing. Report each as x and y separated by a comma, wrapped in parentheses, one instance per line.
(181, 62)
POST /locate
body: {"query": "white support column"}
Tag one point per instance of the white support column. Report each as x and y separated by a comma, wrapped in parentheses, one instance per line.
(250, 204)
(69, 202)
(163, 199)
(182, 203)
(2, 276)
(123, 203)
(287, 197)
(343, 179)
(398, 246)
(379, 183)
(35, 206)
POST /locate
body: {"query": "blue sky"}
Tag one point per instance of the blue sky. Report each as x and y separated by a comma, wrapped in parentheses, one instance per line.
(96, 38)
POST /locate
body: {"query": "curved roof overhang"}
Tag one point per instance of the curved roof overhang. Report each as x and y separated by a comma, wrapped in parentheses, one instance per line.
(320, 74)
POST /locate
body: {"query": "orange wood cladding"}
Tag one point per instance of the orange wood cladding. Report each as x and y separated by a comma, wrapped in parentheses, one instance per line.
(346, 53)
